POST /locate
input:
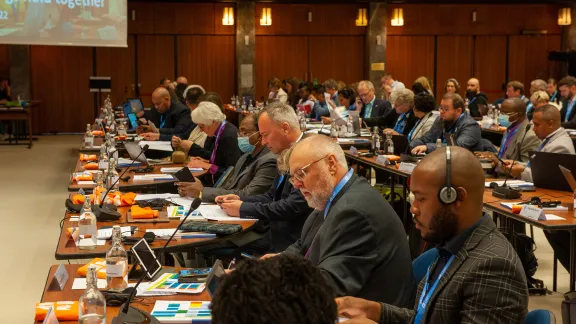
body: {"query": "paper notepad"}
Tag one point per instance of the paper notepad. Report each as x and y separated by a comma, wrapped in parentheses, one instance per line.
(80, 284)
(153, 177)
(214, 212)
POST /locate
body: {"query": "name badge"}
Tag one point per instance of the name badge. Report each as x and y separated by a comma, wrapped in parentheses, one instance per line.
(381, 159)
(59, 280)
(532, 212)
(406, 167)
(353, 150)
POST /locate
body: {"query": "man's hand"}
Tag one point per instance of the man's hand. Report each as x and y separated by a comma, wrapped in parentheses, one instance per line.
(140, 114)
(226, 198)
(268, 256)
(419, 149)
(190, 189)
(390, 131)
(517, 169)
(232, 208)
(353, 307)
(488, 156)
(359, 104)
(176, 141)
(199, 164)
(326, 120)
(150, 136)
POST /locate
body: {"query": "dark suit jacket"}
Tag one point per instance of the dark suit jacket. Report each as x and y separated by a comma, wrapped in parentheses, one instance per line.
(282, 207)
(382, 115)
(227, 153)
(360, 248)
(178, 121)
(467, 133)
(410, 123)
(484, 284)
(571, 123)
(255, 179)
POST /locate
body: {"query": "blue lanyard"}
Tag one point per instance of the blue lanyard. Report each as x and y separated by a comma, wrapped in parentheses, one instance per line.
(508, 135)
(427, 294)
(544, 143)
(279, 181)
(471, 101)
(452, 129)
(339, 187)
(554, 96)
(569, 108)
(162, 120)
(394, 84)
(400, 124)
(413, 129)
(529, 107)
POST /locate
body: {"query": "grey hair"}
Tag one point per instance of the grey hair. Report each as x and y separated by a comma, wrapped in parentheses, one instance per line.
(540, 84)
(323, 146)
(366, 84)
(540, 96)
(207, 113)
(281, 113)
(402, 97)
(331, 84)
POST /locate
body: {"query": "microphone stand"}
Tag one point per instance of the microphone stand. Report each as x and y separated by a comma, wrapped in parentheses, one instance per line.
(101, 210)
(131, 315)
(503, 191)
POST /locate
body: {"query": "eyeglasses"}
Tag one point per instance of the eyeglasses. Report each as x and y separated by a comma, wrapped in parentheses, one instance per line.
(300, 174)
(241, 134)
(445, 109)
(510, 114)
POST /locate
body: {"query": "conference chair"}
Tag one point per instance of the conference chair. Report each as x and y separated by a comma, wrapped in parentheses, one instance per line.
(540, 316)
(421, 264)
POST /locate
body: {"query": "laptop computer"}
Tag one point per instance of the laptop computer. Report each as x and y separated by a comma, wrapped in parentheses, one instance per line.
(546, 173)
(569, 177)
(135, 105)
(134, 150)
(400, 144)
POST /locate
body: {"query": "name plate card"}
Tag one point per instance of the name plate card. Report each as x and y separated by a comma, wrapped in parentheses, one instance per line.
(532, 212)
(59, 280)
(51, 317)
(353, 150)
(381, 159)
(406, 167)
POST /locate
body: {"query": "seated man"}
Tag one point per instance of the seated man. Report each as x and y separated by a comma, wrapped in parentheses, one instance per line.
(173, 118)
(516, 142)
(277, 290)
(253, 174)
(555, 139)
(282, 207)
(453, 120)
(478, 277)
(321, 107)
(475, 97)
(567, 88)
(353, 236)
(373, 111)
(403, 102)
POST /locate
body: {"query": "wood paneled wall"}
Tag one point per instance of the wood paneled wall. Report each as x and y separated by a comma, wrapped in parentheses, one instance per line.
(4, 61)
(407, 58)
(454, 59)
(118, 63)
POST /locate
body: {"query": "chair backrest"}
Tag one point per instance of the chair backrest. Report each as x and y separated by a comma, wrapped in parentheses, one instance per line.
(540, 316)
(420, 264)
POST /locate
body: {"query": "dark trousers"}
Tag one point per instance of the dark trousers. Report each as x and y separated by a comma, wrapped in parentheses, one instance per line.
(560, 242)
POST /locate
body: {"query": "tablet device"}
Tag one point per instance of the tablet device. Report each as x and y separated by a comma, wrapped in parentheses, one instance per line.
(184, 175)
(136, 105)
(146, 258)
(215, 277)
(133, 120)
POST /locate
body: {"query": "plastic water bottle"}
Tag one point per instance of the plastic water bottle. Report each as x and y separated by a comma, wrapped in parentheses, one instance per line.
(92, 304)
(334, 133)
(112, 176)
(87, 227)
(375, 141)
(390, 144)
(103, 159)
(88, 137)
(99, 190)
(116, 262)
(438, 144)
(350, 126)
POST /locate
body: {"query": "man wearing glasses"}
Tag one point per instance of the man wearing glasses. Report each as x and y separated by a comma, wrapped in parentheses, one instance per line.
(374, 111)
(454, 123)
(353, 236)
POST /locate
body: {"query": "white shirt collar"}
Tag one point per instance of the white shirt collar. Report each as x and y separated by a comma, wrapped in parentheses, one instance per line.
(554, 132)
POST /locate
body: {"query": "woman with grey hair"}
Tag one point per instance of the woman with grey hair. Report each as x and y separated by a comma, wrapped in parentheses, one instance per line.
(402, 101)
(221, 147)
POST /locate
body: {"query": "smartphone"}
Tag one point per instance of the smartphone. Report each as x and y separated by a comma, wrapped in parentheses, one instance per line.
(184, 175)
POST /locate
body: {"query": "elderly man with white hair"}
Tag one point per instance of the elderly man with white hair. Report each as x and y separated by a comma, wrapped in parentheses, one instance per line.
(374, 111)
(535, 86)
(353, 236)
(403, 102)
(222, 138)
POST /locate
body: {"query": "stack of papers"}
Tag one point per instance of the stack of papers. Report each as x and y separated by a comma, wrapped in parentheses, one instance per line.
(215, 212)
(510, 204)
(512, 183)
(157, 145)
(176, 169)
(352, 140)
(122, 162)
(155, 196)
(153, 177)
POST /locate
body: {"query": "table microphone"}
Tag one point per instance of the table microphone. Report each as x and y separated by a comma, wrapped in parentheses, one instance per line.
(105, 213)
(130, 314)
(503, 191)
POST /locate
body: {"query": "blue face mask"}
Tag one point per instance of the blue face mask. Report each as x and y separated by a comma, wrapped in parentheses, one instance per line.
(244, 145)
(504, 120)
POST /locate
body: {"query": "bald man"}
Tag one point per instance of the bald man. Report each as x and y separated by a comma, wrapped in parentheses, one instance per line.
(475, 97)
(360, 248)
(181, 80)
(172, 118)
(477, 277)
(555, 139)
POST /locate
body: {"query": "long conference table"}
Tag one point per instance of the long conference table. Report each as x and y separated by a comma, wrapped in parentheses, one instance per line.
(493, 204)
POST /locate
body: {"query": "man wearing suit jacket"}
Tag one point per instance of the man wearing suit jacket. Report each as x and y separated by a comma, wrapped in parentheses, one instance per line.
(567, 88)
(359, 247)
(282, 207)
(554, 138)
(253, 174)
(477, 277)
(373, 111)
(172, 118)
(453, 120)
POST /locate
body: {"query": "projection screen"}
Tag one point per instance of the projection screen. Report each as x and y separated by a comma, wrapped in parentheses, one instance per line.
(64, 22)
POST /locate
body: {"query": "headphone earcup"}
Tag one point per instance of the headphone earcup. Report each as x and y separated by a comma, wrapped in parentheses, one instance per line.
(447, 195)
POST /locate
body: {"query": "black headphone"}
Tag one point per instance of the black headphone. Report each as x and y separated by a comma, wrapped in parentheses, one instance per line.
(448, 194)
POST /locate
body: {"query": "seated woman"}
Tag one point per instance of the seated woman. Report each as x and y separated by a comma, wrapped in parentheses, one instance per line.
(403, 102)
(221, 148)
(451, 86)
(291, 87)
(321, 107)
(426, 83)
(425, 111)
(253, 174)
(276, 91)
(346, 98)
